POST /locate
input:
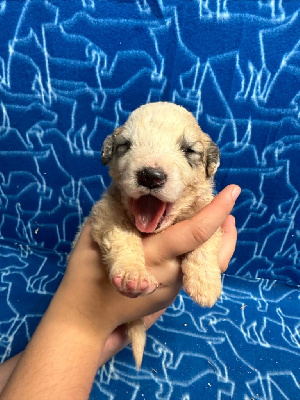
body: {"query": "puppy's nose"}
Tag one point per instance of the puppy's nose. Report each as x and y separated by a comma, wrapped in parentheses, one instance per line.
(151, 178)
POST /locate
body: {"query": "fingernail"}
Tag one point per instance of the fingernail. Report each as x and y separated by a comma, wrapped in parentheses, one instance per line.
(235, 193)
(131, 295)
(152, 290)
(231, 220)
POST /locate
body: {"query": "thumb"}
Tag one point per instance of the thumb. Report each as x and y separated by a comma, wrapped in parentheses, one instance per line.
(187, 235)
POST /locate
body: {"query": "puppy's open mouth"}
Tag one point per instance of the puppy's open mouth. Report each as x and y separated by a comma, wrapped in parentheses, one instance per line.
(149, 213)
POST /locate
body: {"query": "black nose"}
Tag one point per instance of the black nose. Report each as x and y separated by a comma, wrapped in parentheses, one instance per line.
(151, 178)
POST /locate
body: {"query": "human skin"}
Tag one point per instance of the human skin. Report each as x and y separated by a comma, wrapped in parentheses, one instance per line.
(85, 323)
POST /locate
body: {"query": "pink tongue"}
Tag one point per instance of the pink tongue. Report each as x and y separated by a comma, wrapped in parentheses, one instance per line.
(147, 211)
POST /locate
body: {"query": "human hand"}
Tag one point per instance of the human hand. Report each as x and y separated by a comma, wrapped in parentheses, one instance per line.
(87, 303)
(89, 290)
(119, 339)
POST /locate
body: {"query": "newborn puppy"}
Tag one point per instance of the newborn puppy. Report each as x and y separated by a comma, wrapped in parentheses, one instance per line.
(162, 167)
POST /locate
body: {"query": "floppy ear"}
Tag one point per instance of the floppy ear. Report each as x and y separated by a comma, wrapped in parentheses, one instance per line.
(212, 159)
(108, 147)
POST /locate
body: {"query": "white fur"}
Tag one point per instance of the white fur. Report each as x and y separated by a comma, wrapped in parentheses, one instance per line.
(157, 133)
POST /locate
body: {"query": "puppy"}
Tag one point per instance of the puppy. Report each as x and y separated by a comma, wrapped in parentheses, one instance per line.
(162, 167)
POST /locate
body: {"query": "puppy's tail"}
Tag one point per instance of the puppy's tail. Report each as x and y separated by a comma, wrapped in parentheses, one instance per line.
(137, 334)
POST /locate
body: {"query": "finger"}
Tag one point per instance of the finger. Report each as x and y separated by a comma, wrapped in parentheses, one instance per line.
(119, 338)
(228, 243)
(149, 320)
(116, 342)
(187, 235)
(149, 307)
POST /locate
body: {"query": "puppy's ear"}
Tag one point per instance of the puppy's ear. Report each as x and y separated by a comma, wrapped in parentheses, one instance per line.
(212, 159)
(108, 148)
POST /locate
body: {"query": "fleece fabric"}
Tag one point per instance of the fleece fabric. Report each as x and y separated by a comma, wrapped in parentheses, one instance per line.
(70, 72)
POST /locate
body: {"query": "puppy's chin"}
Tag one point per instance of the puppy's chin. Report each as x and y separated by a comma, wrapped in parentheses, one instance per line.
(149, 213)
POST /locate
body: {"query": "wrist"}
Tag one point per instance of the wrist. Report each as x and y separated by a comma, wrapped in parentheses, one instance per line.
(65, 342)
(75, 305)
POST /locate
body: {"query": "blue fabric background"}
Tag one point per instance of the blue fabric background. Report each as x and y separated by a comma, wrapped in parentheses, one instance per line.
(70, 72)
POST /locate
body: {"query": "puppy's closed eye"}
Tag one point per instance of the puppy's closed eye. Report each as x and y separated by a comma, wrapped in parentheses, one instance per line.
(188, 150)
(122, 148)
(193, 153)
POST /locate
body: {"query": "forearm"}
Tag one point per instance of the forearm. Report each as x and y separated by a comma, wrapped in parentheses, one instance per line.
(116, 341)
(61, 360)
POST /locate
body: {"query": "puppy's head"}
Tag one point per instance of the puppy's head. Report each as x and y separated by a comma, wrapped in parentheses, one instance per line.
(159, 159)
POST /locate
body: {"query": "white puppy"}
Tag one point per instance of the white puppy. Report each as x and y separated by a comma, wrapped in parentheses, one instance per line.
(162, 167)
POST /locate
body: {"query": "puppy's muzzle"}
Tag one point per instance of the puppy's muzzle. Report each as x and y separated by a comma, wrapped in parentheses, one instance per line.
(151, 178)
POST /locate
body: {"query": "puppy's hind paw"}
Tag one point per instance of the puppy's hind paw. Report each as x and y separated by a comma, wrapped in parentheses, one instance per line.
(133, 284)
(203, 292)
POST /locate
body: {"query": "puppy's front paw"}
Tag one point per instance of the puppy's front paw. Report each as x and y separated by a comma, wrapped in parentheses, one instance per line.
(204, 289)
(133, 283)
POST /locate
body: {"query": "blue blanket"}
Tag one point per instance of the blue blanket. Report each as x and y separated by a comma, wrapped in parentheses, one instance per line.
(70, 72)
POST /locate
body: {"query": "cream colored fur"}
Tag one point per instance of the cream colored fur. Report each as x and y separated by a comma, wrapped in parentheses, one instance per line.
(167, 136)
